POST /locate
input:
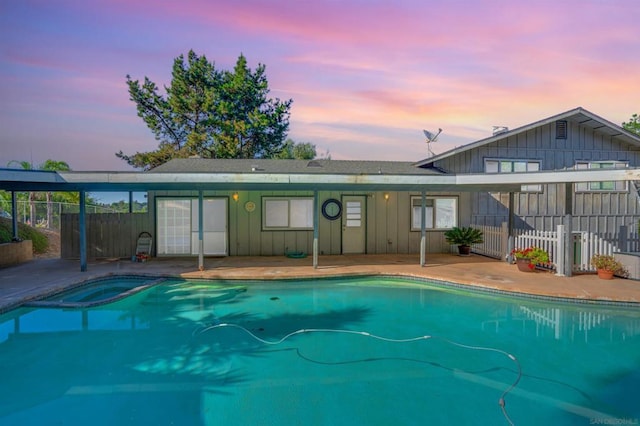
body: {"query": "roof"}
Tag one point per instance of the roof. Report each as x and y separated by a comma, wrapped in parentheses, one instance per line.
(27, 180)
(578, 115)
(270, 166)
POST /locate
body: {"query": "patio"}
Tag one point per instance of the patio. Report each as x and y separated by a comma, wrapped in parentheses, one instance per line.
(42, 276)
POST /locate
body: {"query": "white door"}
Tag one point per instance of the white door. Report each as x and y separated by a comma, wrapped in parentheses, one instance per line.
(174, 226)
(214, 227)
(353, 224)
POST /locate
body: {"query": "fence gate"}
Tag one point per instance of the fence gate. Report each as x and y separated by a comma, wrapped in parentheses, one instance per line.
(585, 244)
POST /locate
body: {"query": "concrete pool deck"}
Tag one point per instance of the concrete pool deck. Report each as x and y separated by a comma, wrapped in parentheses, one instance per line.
(43, 276)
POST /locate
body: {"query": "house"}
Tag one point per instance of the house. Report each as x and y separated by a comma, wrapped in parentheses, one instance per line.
(573, 140)
(572, 165)
(275, 222)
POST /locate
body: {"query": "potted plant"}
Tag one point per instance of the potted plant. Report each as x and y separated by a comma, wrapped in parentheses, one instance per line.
(607, 266)
(464, 238)
(528, 258)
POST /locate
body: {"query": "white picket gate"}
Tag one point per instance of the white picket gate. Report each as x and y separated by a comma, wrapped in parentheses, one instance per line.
(585, 245)
(546, 240)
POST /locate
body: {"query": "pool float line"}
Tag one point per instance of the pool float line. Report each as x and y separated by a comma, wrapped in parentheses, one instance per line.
(501, 400)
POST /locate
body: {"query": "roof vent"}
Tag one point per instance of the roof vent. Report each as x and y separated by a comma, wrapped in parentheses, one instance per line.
(314, 163)
(500, 129)
(561, 129)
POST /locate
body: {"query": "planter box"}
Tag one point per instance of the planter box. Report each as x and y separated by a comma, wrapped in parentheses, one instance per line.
(631, 261)
(15, 253)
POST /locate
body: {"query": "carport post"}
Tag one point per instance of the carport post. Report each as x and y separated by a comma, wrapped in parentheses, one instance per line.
(568, 224)
(200, 232)
(14, 216)
(423, 231)
(83, 233)
(510, 237)
(315, 229)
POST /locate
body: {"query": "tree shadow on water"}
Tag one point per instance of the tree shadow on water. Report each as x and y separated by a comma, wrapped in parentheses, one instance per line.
(157, 346)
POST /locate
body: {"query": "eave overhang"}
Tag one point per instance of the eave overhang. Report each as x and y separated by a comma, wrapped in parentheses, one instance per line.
(17, 180)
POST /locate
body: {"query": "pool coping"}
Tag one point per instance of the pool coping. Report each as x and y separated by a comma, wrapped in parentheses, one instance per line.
(42, 277)
(41, 303)
(35, 301)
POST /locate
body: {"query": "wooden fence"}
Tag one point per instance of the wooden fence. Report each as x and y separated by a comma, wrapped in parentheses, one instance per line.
(109, 235)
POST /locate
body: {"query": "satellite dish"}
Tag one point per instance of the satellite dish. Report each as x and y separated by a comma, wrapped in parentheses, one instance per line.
(430, 139)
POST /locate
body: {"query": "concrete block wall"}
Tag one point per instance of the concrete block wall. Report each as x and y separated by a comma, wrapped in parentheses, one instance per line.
(14, 253)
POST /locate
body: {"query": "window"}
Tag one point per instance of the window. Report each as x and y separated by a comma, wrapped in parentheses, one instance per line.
(605, 185)
(287, 213)
(440, 213)
(511, 166)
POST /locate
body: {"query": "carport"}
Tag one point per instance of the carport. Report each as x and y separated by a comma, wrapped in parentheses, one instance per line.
(14, 180)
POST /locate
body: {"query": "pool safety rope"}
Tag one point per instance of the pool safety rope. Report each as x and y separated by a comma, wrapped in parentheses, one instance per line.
(501, 401)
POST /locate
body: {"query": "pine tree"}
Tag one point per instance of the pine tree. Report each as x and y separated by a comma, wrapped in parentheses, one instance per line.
(210, 113)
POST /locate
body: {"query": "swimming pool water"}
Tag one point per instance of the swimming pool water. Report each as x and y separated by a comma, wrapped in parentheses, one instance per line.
(154, 358)
(96, 292)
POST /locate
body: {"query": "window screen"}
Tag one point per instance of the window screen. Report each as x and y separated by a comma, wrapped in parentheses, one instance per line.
(288, 213)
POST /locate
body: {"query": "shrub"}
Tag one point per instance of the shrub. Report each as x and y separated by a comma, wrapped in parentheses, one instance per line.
(463, 236)
(38, 239)
(535, 255)
(608, 263)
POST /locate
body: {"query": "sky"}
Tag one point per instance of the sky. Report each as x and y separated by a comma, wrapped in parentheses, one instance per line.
(365, 76)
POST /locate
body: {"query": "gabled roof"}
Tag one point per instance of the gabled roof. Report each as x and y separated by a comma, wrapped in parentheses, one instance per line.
(269, 166)
(578, 115)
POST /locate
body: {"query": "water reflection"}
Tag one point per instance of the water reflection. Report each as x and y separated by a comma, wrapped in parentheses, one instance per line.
(574, 323)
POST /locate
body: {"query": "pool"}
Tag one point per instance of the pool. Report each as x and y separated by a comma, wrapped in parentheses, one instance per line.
(351, 351)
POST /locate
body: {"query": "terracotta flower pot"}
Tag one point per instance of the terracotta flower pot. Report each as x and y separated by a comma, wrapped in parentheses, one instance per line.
(464, 250)
(603, 274)
(525, 265)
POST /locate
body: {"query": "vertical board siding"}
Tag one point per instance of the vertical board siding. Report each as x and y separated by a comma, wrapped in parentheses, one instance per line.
(596, 212)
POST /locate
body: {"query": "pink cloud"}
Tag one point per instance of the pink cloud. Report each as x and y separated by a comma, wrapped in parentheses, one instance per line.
(359, 71)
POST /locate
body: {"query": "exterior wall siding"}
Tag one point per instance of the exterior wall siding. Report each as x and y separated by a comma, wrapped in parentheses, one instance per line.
(599, 212)
(388, 226)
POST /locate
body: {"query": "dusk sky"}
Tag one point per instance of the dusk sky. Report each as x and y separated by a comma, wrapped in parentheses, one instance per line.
(365, 76)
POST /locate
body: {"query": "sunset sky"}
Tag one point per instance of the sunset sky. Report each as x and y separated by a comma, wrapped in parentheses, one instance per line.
(365, 76)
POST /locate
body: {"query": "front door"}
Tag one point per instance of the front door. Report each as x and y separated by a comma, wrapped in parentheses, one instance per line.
(353, 224)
